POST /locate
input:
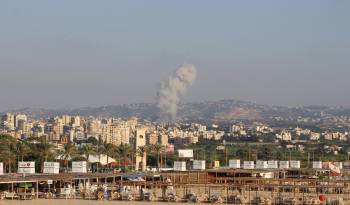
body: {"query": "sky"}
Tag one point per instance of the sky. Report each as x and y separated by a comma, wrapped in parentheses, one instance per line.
(69, 54)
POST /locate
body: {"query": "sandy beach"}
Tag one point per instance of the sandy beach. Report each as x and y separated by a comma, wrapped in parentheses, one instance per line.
(80, 202)
(84, 202)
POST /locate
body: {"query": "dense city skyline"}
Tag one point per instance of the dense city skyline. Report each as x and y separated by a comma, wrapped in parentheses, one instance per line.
(201, 101)
(93, 54)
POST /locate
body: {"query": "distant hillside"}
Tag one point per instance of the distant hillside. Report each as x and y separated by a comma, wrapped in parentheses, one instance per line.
(221, 110)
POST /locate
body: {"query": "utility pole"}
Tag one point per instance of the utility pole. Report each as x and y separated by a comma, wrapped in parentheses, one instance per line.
(215, 155)
(165, 165)
(226, 156)
(249, 153)
(290, 155)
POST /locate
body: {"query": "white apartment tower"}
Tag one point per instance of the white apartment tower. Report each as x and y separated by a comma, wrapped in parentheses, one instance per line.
(19, 117)
(8, 121)
(140, 140)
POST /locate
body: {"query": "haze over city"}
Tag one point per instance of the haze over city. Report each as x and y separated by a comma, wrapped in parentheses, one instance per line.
(175, 102)
(69, 54)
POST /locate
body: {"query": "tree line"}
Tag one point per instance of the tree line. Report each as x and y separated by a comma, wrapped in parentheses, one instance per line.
(40, 150)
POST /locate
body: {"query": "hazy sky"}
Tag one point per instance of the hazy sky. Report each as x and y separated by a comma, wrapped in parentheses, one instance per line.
(67, 54)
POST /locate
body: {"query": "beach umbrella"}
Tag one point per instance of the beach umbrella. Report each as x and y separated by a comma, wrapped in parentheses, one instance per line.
(25, 185)
(322, 198)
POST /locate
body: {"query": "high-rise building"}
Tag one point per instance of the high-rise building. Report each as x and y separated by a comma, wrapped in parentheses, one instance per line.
(94, 127)
(8, 121)
(119, 134)
(22, 125)
(132, 122)
(66, 119)
(19, 117)
(38, 130)
(105, 132)
(152, 138)
(76, 121)
(140, 140)
(57, 126)
(125, 135)
(163, 139)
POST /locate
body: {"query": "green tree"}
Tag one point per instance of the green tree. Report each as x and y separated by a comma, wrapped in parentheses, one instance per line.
(115, 154)
(8, 150)
(68, 152)
(22, 150)
(124, 151)
(158, 149)
(100, 151)
(109, 150)
(141, 151)
(93, 140)
(45, 152)
(87, 150)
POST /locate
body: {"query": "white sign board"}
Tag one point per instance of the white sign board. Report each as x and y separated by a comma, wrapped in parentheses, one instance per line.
(1, 168)
(79, 164)
(179, 166)
(26, 164)
(51, 168)
(248, 165)
(26, 167)
(51, 165)
(295, 164)
(185, 153)
(272, 164)
(79, 167)
(199, 164)
(317, 164)
(261, 164)
(235, 163)
(284, 164)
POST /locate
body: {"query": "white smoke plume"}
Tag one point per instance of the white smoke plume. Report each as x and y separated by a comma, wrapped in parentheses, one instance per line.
(172, 90)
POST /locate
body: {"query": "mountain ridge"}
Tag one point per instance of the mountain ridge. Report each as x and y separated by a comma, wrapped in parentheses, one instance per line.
(219, 110)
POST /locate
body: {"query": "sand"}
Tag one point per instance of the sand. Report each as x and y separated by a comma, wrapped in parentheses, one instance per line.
(85, 202)
(80, 202)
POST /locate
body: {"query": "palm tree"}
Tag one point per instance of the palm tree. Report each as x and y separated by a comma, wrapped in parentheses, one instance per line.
(88, 150)
(45, 152)
(158, 149)
(141, 151)
(69, 150)
(9, 157)
(22, 149)
(8, 149)
(100, 151)
(115, 154)
(109, 150)
(124, 151)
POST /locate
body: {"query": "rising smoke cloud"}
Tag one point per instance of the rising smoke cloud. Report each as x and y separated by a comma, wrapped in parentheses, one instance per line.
(172, 90)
